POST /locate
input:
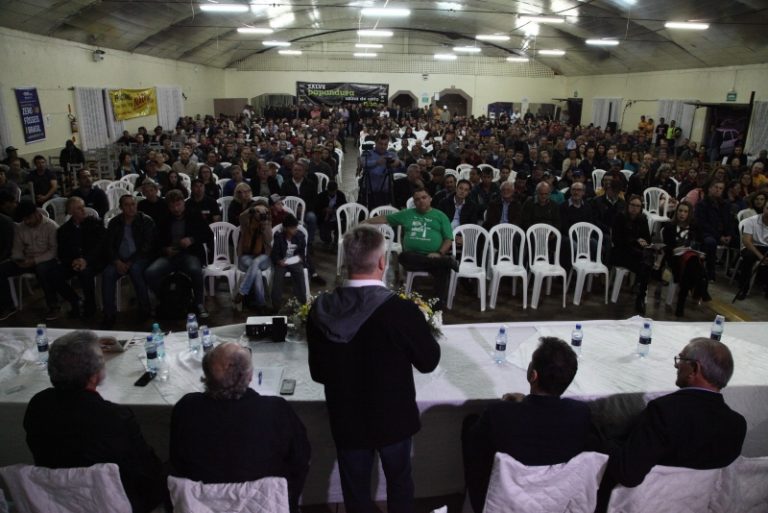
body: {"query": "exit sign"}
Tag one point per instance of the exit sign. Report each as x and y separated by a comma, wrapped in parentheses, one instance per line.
(730, 97)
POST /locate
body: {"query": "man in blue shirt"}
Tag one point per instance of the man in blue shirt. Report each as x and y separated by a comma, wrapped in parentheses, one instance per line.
(377, 168)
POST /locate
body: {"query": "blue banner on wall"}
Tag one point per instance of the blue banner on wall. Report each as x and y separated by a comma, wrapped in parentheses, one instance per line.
(31, 114)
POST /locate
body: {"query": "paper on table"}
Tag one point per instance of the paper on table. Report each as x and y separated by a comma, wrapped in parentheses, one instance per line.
(271, 379)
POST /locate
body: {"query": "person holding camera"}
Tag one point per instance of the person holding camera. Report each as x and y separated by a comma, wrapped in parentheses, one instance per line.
(253, 251)
(377, 168)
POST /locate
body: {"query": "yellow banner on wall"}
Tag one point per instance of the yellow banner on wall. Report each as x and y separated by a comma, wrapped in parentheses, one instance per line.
(133, 103)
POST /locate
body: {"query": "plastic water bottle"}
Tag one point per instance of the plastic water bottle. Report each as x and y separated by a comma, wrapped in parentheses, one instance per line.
(151, 348)
(192, 333)
(644, 343)
(159, 340)
(576, 337)
(207, 339)
(41, 338)
(717, 328)
(500, 354)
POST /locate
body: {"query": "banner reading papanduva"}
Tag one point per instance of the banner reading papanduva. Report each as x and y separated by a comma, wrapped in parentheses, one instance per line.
(334, 93)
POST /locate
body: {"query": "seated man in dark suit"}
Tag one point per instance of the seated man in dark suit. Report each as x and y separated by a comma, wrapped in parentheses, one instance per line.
(71, 425)
(691, 428)
(231, 434)
(459, 208)
(93, 197)
(505, 208)
(538, 429)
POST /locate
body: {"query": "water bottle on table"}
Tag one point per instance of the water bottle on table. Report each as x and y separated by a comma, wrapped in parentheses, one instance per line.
(717, 328)
(644, 343)
(159, 340)
(576, 337)
(500, 353)
(193, 334)
(150, 346)
(41, 338)
(207, 339)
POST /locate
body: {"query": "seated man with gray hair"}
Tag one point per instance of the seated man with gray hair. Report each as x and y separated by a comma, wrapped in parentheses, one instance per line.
(231, 434)
(71, 425)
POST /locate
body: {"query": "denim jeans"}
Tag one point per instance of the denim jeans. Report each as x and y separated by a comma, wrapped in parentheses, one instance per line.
(278, 276)
(252, 267)
(182, 262)
(109, 281)
(310, 220)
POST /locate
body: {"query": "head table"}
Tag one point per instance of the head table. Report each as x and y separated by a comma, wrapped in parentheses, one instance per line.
(616, 383)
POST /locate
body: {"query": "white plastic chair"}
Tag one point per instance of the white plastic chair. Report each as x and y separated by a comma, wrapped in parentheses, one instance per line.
(111, 214)
(410, 203)
(539, 262)
(396, 246)
(120, 183)
(389, 238)
(463, 167)
(102, 184)
(742, 223)
(225, 165)
(597, 178)
(677, 187)
(114, 193)
(130, 179)
(94, 489)
(224, 263)
(297, 205)
(222, 182)
(322, 182)
(453, 173)
(656, 205)
(627, 173)
(743, 487)
(348, 216)
(618, 278)
(265, 494)
(562, 488)
(399, 176)
(58, 208)
(186, 181)
(224, 202)
(580, 235)
(506, 261)
(745, 214)
(474, 252)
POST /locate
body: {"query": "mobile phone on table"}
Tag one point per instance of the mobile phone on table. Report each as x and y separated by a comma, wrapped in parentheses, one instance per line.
(145, 379)
(287, 387)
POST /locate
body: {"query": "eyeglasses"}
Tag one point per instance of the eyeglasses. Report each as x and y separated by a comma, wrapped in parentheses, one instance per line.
(636, 205)
(679, 359)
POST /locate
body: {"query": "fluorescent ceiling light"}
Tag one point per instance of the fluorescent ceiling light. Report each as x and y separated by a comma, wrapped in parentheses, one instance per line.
(517, 59)
(254, 30)
(276, 43)
(542, 19)
(466, 49)
(369, 45)
(364, 54)
(686, 25)
(386, 12)
(491, 37)
(445, 57)
(450, 6)
(557, 53)
(289, 52)
(375, 33)
(224, 7)
(602, 42)
(282, 20)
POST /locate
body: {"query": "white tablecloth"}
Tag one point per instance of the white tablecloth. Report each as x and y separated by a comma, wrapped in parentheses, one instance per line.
(617, 383)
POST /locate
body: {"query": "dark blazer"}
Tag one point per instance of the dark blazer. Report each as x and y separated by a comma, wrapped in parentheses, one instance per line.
(714, 218)
(534, 213)
(232, 441)
(86, 242)
(570, 215)
(624, 234)
(95, 198)
(539, 430)
(280, 247)
(689, 428)
(79, 429)
(143, 229)
(195, 227)
(469, 212)
(495, 209)
(308, 191)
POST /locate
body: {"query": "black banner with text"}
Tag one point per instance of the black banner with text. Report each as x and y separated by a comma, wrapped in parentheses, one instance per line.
(335, 93)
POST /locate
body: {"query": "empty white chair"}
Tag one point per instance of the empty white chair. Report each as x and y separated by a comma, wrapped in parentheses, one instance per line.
(224, 206)
(540, 264)
(348, 216)
(57, 209)
(322, 182)
(618, 278)
(580, 236)
(186, 181)
(268, 494)
(130, 178)
(627, 173)
(597, 178)
(474, 251)
(507, 259)
(114, 193)
(94, 489)
(569, 487)
(224, 263)
(298, 206)
(656, 204)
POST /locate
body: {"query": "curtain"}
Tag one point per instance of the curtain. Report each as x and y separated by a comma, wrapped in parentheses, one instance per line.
(605, 110)
(5, 133)
(757, 138)
(170, 106)
(678, 111)
(114, 127)
(263, 101)
(92, 121)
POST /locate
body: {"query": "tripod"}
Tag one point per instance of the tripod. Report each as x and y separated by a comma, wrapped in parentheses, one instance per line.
(367, 194)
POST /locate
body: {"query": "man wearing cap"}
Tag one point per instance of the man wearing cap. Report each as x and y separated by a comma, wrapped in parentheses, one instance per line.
(12, 153)
(93, 197)
(34, 251)
(203, 204)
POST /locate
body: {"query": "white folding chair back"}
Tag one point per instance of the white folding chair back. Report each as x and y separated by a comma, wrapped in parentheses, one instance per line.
(94, 489)
(385, 210)
(656, 202)
(463, 167)
(266, 495)
(115, 192)
(474, 251)
(539, 261)
(56, 209)
(225, 165)
(399, 176)
(297, 205)
(677, 187)
(507, 242)
(121, 184)
(224, 202)
(452, 172)
(744, 214)
(322, 182)
(130, 179)
(627, 173)
(102, 184)
(597, 178)
(410, 203)
(743, 487)
(111, 214)
(223, 263)
(348, 216)
(222, 182)
(389, 238)
(563, 488)
(582, 259)
(186, 181)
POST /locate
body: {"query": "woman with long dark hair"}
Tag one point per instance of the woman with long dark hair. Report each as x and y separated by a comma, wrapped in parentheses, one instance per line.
(631, 240)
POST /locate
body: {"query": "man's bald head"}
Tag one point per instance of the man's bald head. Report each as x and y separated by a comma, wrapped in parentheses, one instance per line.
(228, 371)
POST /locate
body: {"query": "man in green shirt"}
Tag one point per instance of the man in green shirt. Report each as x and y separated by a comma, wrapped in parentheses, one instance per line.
(427, 237)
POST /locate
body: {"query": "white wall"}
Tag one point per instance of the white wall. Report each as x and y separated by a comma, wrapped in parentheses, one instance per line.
(483, 90)
(54, 66)
(706, 85)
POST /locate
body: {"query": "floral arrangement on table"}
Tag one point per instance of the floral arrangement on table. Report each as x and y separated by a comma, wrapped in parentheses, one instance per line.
(427, 307)
(299, 312)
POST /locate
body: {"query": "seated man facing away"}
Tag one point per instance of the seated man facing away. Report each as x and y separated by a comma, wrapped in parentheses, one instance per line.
(71, 425)
(231, 434)
(691, 428)
(538, 429)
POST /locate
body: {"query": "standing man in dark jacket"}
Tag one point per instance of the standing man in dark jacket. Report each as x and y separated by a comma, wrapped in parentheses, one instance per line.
(181, 237)
(81, 250)
(365, 362)
(129, 250)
